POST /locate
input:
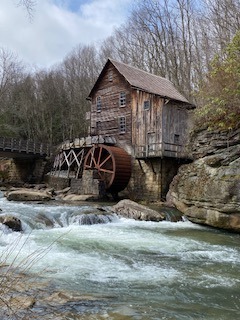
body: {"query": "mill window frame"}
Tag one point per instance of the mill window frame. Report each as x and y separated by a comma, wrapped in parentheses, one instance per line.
(110, 76)
(176, 139)
(99, 103)
(122, 99)
(146, 105)
(122, 124)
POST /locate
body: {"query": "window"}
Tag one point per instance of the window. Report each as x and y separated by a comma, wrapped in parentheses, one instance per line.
(151, 142)
(122, 99)
(98, 125)
(99, 104)
(122, 124)
(176, 138)
(110, 76)
(146, 105)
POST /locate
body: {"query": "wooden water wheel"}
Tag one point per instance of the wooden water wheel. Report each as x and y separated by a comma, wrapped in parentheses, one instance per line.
(112, 164)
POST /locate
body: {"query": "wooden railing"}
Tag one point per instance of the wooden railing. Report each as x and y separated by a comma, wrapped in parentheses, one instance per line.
(86, 142)
(23, 146)
(161, 150)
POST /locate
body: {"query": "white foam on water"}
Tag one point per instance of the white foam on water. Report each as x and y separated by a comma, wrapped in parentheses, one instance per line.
(145, 257)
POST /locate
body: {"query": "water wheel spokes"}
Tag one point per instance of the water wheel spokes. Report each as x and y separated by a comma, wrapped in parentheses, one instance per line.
(101, 161)
(112, 164)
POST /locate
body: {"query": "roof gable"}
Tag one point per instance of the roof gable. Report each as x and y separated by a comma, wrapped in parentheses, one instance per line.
(144, 81)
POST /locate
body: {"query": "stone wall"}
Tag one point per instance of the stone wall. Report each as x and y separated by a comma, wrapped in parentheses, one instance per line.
(5, 167)
(145, 180)
(207, 191)
(57, 183)
(19, 171)
(86, 185)
(39, 170)
(151, 178)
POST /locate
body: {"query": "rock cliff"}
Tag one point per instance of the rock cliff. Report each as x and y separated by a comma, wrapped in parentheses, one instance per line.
(207, 190)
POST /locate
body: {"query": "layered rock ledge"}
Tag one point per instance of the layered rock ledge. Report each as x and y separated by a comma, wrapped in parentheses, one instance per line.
(207, 191)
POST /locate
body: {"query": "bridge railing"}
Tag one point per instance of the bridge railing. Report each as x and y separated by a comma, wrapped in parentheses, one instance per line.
(23, 146)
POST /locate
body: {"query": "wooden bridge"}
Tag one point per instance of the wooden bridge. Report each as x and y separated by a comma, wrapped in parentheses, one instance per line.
(18, 148)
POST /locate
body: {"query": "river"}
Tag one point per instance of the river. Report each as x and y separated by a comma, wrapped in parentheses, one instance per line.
(143, 270)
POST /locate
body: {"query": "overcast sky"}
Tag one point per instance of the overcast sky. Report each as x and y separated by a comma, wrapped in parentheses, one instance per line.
(57, 27)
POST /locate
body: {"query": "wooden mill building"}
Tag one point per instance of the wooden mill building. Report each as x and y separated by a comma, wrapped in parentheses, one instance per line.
(138, 128)
(148, 117)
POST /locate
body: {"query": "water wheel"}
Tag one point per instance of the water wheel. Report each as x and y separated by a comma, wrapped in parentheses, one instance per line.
(112, 164)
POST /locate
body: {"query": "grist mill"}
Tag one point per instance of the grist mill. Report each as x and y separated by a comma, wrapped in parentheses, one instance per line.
(138, 125)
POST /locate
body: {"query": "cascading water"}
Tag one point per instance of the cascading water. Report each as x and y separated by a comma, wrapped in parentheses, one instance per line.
(141, 270)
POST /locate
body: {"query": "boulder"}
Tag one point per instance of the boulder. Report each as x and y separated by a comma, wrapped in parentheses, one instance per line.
(11, 222)
(131, 209)
(28, 195)
(207, 190)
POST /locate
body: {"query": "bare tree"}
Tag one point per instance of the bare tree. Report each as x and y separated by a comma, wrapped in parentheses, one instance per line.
(10, 70)
(29, 6)
(159, 38)
(176, 40)
(80, 70)
(223, 20)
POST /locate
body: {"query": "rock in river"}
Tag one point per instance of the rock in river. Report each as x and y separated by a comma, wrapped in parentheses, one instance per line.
(131, 209)
(28, 195)
(11, 222)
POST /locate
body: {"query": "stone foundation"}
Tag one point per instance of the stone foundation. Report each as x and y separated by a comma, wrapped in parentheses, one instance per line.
(86, 185)
(151, 178)
(20, 171)
(57, 182)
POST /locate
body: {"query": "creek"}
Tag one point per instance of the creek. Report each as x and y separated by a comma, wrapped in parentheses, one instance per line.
(141, 270)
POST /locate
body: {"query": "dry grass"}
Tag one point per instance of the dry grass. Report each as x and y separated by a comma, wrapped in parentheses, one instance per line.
(17, 283)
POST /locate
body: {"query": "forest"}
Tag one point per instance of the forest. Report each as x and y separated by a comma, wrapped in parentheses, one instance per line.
(193, 43)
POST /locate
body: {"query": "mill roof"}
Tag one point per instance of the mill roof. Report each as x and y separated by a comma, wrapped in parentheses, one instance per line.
(144, 81)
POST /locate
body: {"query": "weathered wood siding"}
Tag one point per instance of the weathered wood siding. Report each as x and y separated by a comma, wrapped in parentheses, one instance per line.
(106, 121)
(154, 126)
(175, 123)
(147, 123)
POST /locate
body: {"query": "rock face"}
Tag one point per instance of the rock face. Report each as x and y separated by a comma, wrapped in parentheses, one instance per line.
(207, 191)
